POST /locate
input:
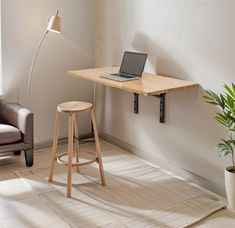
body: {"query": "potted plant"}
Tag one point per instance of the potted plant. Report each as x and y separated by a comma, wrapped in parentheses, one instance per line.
(226, 116)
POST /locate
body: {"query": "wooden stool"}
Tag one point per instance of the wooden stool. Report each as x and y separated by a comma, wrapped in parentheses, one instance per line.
(72, 109)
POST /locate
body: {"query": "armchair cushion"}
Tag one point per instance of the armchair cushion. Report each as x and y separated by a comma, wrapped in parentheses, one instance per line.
(9, 134)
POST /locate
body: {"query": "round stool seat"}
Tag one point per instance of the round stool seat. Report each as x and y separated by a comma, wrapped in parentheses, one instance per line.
(74, 106)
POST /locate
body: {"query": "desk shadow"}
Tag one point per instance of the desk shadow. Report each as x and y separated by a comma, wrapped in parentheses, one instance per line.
(160, 59)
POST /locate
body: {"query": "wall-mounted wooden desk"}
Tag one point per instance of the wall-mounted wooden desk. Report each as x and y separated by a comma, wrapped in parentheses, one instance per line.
(148, 85)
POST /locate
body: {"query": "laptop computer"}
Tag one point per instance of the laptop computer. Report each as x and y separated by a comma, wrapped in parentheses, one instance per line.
(132, 67)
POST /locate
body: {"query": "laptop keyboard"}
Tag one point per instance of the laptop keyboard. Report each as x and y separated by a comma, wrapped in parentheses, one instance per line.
(123, 75)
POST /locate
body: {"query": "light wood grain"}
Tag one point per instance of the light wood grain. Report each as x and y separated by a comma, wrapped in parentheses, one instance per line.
(97, 145)
(148, 85)
(54, 146)
(76, 140)
(70, 155)
(74, 106)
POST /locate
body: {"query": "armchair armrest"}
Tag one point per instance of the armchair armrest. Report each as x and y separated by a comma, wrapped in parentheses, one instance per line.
(18, 116)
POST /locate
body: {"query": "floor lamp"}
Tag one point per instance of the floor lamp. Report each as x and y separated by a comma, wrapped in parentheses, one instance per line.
(53, 26)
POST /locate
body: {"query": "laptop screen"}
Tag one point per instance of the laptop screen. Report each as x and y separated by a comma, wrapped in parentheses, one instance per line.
(133, 63)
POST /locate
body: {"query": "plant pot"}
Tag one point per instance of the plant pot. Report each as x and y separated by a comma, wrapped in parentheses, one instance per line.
(230, 186)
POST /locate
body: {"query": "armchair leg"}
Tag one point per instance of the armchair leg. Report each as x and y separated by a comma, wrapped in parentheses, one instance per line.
(18, 152)
(28, 157)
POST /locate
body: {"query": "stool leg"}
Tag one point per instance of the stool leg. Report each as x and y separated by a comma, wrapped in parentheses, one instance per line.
(70, 155)
(54, 146)
(76, 140)
(97, 143)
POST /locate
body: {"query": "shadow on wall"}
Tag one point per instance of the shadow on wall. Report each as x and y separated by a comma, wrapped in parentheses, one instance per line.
(161, 61)
(191, 120)
(57, 56)
(84, 60)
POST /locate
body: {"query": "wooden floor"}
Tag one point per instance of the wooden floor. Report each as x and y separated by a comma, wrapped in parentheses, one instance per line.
(10, 164)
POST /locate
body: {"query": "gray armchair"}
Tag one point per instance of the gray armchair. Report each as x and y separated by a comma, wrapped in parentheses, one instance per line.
(16, 130)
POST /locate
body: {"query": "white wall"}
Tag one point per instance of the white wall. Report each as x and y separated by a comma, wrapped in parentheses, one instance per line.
(23, 24)
(0, 52)
(186, 39)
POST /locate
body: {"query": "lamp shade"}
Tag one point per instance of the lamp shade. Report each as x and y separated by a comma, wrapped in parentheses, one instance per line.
(54, 24)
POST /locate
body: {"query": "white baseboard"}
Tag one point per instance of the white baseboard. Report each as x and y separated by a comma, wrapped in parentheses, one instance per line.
(186, 174)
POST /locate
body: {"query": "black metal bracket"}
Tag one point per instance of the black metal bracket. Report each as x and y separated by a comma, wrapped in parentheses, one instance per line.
(162, 107)
(136, 103)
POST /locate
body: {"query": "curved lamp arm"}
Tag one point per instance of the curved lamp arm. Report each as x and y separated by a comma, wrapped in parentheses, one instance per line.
(32, 66)
(53, 26)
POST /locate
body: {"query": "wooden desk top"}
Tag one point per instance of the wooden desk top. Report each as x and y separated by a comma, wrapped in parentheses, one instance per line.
(148, 85)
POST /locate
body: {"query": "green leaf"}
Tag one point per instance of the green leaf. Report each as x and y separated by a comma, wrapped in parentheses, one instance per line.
(231, 118)
(232, 129)
(228, 144)
(230, 91)
(221, 119)
(222, 98)
(225, 116)
(211, 102)
(218, 100)
(230, 104)
(222, 150)
(233, 87)
(213, 98)
(224, 153)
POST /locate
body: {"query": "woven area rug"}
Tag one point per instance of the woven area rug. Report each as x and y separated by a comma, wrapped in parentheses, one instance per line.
(137, 195)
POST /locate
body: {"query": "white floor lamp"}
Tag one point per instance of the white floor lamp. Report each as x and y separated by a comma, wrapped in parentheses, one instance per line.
(53, 26)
